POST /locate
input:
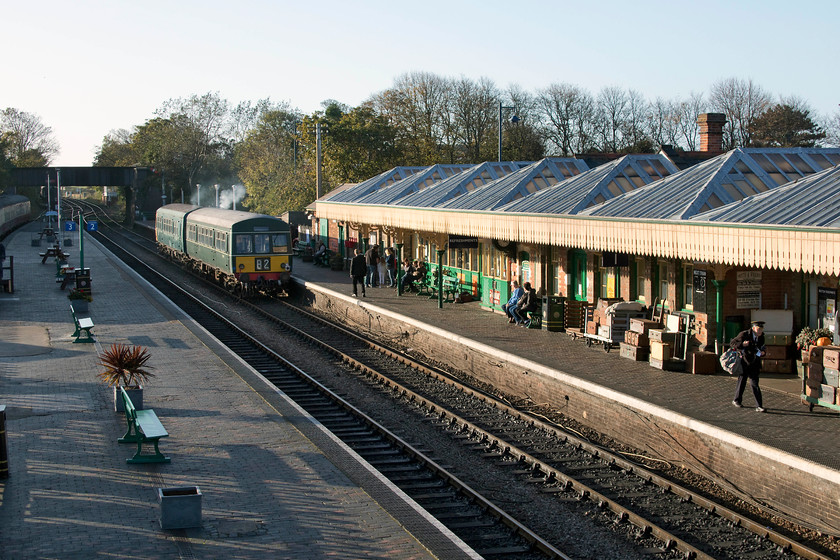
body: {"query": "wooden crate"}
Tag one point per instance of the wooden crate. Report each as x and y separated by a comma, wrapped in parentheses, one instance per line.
(668, 365)
(831, 357)
(777, 366)
(636, 338)
(661, 335)
(635, 353)
(661, 350)
(702, 363)
(775, 352)
(642, 326)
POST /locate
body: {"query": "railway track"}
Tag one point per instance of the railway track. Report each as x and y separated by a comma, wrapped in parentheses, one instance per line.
(684, 523)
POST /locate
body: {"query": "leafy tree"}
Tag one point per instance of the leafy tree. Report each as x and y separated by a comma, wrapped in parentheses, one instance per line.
(785, 126)
(265, 159)
(28, 141)
(360, 144)
(117, 150)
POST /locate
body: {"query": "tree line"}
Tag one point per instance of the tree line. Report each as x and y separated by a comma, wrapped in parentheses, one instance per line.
(422, 119)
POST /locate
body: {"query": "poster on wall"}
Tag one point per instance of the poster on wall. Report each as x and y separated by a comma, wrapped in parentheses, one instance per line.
(748, 289)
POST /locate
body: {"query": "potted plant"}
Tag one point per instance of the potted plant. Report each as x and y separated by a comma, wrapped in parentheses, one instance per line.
(79, 300)
(125, 366)
(807, 337)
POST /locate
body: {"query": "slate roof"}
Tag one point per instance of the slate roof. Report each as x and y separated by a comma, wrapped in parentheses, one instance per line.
(813, 201)
(596, 185)
(527, 180)
(412, 184)
(727, 178)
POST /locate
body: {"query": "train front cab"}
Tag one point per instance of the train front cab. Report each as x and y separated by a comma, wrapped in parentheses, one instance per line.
(261, 259)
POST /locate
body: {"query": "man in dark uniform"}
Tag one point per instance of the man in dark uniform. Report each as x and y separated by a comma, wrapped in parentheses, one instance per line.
(751, 345)
(358, 270)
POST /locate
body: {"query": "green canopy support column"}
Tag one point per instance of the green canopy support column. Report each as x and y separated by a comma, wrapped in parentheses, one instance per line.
(439, 279)
(81, 240)
(719, 285)
(398, 264)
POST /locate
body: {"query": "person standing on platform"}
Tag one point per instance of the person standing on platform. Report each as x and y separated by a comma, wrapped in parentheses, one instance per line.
(508, 308)
(391, 267)
(358, 270)
(382, 269)
(371, 259)
(751, 345)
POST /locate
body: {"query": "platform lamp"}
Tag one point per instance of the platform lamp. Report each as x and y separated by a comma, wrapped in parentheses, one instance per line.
(513, 119)
(217, 194)
(198, 194)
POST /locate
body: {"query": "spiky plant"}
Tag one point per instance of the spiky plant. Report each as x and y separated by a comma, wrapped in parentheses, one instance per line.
(125, 365)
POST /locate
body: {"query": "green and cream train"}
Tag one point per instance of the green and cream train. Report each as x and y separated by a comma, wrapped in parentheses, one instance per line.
(247, 253)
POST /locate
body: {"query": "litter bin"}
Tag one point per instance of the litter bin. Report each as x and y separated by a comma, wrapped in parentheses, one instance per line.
(554, 311)
(83, 280)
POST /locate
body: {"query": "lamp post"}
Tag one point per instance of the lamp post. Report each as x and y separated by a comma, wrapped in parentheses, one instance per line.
(233, 190)
(513, 119)
(217, 194)
(197, 194)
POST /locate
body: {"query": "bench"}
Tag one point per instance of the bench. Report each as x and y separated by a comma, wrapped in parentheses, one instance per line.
(68, 276)
(7, 282)
(143, 427)
(83, 326)
(451, 288)
(535, 318)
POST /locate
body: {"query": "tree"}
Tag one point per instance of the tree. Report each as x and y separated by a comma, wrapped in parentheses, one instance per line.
(785, 126)
(831, 126)
(475, 108)
(522, 141)
(265, 159)
(117, 150)
(742, 102)
(612, 118)
(566, 112)
(28, 141)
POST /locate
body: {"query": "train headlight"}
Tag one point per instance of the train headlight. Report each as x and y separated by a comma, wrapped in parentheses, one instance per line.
(286, 267)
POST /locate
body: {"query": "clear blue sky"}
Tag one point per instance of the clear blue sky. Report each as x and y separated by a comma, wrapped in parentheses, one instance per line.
(88, 67)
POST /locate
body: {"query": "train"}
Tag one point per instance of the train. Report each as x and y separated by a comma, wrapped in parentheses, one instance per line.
(244, 252)
(14, 211)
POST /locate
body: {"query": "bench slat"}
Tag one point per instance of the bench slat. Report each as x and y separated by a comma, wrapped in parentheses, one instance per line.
(85, 323)
(149, 423)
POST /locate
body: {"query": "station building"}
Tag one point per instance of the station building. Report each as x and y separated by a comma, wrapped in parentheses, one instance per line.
(705, 234)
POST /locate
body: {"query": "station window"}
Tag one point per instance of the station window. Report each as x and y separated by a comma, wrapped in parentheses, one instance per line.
(608, 283)
(663, 280)
(640, 279)
(688, 286)
(244, 244)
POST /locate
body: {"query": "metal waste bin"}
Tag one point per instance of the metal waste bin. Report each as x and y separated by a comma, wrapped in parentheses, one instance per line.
(554, 310)
(83, 280)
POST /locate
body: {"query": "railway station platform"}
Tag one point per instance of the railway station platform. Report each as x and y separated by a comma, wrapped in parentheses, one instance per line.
(787, 458)
(274, 484)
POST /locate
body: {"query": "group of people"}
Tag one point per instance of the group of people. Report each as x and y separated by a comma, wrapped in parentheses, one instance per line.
(370, 270)
(523, 300)
(413, 271)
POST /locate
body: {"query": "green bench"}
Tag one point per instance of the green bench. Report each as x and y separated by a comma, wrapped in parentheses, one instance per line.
(143, 427)
(83, 326)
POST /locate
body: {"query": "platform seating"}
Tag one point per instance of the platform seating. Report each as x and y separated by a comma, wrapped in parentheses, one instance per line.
(83, 327)
(143, 427)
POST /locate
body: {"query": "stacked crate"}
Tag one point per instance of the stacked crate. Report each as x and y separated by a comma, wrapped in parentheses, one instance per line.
(822, 374)
(636, 345)
(777, 353)
(662, 343)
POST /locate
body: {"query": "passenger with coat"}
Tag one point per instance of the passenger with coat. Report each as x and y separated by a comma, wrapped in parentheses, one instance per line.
(527, 303)
(358, 270)
(371, 260)
(511, 304)
(750, 344)
(391, 267)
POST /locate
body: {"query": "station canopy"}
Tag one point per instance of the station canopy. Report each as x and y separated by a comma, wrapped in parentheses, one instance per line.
(457, 185)
(416, 182)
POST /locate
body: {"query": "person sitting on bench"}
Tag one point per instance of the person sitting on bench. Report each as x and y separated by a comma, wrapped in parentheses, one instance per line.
(527, 303)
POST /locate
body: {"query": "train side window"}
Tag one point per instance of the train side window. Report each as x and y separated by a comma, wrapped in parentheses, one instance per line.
(280, 242)
(244, 244)
(261, 243)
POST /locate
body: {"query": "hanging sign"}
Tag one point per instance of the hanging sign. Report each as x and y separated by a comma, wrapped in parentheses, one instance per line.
(462, 242)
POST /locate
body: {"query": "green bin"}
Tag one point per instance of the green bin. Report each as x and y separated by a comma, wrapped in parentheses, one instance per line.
(554, 313)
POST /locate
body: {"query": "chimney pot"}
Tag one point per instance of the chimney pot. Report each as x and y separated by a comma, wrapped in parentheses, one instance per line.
(711, 132)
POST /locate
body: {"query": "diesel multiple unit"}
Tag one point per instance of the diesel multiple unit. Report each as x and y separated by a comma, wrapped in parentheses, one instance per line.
(245, 252)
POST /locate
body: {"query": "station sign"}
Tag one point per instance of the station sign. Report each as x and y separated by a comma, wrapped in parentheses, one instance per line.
(92, 225)
(69, 226)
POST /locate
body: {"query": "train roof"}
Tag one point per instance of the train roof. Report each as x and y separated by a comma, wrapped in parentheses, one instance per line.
(10, 199)
(219, 217)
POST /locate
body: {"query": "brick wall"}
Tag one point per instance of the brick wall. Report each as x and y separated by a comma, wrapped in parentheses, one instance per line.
(755, 474)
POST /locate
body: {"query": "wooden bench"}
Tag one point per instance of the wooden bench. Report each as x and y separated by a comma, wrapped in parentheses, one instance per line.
(83, 326)
(143, 427)
(53, 252)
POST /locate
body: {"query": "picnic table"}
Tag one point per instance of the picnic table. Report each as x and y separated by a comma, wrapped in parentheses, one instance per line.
(53, 252)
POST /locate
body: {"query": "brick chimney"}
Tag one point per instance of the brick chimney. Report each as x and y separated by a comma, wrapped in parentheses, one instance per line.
(711, 132)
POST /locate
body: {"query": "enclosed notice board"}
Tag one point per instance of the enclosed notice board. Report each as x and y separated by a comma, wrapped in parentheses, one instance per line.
(700, 290)
(748, 289)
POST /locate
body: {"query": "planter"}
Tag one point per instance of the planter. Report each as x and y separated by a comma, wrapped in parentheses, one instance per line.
(135, 394)
(80, 306)
(180, 508)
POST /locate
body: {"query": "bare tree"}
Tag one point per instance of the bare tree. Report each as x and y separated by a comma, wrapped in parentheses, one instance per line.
(522, 140)
(566, 112)
(475, 107)
(26, 136)
(742, 101)
(612, 116)
(636, 116)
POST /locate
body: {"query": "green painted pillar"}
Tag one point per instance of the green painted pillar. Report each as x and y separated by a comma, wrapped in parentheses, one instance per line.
(399, 268)
(721, 326)
(439, 279)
